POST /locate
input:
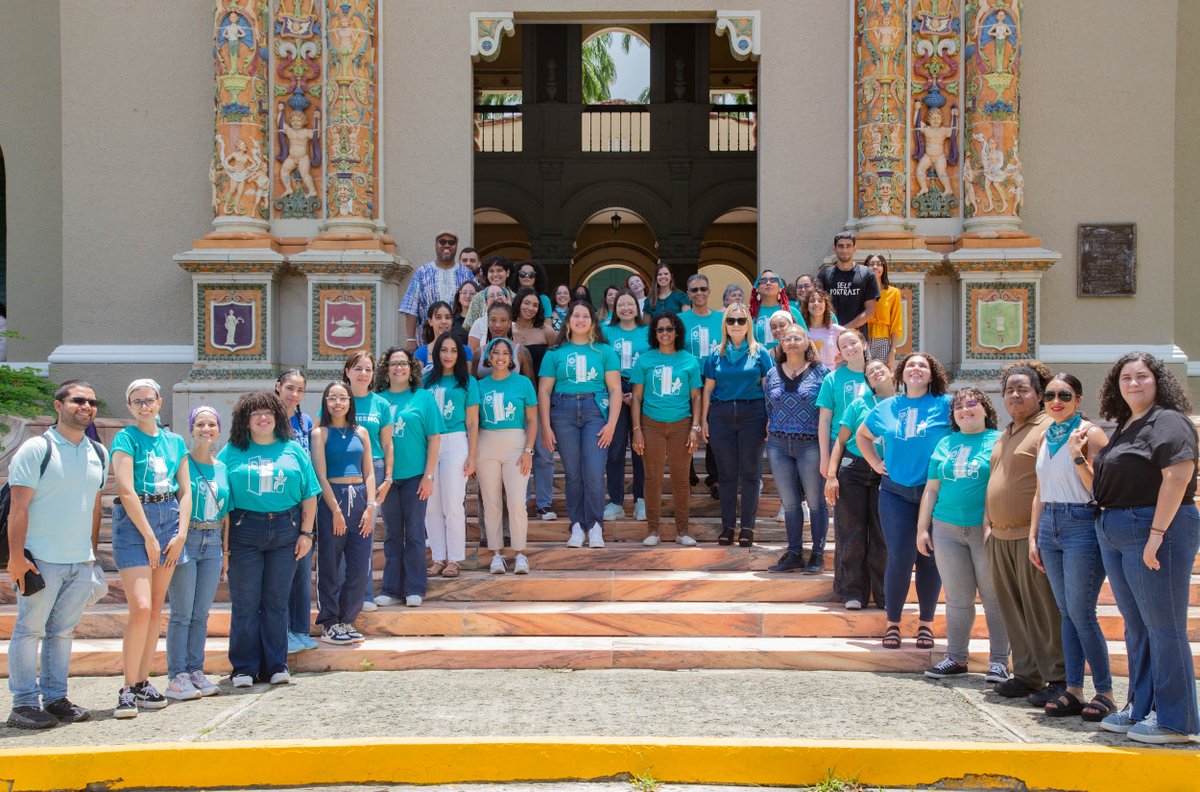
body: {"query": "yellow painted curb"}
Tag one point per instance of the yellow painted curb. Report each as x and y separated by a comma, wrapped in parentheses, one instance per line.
(431, 761)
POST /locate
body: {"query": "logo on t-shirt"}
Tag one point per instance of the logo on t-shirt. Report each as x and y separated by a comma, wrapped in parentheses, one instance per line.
(578, 370)
(211, 505)
(398, 427)
(700, 341)
(964, 466)
(664, 382)
(155, 478)
(853, 390)
(499, 409)
(264, 478)
(446, 406)
(910, 424)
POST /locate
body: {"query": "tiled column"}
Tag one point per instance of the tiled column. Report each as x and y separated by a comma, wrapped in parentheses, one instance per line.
(352, 103)
(296, 62)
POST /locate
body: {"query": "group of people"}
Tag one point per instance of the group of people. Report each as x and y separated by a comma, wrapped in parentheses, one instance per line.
(921, 482)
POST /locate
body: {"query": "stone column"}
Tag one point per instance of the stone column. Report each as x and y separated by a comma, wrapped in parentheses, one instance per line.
(296, 56)
(993, 188)
(240, 170)
(352, 102)
(880, 114)
(935, 103)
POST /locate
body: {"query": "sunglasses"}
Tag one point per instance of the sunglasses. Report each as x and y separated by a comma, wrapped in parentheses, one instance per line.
(527, 274)
(698, 289)
(1064, 396)
(447, 242)
(774, 280)
(967, 404)
(736, 320)
(79, 401)
(664, 329)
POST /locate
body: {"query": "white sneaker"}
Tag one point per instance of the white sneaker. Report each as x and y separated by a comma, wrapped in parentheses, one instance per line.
(336, 634)
(180, 688)
(779, 517)
(547, 514)
(997, 672)
(281, 678)
(521, 565)
(639, 509)
(243, 680)
(651, 540)
(383, 600)
(576, 539)
(413, 601)
(202, 683)
(498, 567)
(614, 512)
(685, 540)
(595, 536)
(853, 604)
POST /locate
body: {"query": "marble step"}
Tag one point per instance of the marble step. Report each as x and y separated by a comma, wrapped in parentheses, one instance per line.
(647, 619)
(102, 657)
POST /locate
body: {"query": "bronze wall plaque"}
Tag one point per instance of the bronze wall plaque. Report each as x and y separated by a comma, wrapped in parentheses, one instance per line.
(1107, 260)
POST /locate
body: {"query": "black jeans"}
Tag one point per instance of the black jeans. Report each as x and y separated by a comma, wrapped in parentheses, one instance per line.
(860, 554)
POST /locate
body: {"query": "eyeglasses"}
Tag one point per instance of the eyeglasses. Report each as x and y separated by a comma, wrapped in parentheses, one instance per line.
(139, 404)
(337, 399)
(399, 364)
(262, 414)
(447, 242)
(697, 289)
(967, 404)
(527, 274)
(792, 339)
(736, 320)
(1064, 396)
(79, 401)
(804, 286)
(664, 329)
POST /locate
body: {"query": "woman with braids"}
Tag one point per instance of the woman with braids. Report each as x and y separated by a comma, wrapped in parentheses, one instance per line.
(273, 490)
(766, 299)
(1144, 481)
(911, 424)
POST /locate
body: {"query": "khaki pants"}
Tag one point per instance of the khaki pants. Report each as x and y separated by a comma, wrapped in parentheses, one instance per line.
(1030, 614)
(667, 442)
(500, 480)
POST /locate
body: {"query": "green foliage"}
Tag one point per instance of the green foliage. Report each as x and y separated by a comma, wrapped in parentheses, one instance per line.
(599, 69)
(24, 392)
(834, 783)
(644, 782)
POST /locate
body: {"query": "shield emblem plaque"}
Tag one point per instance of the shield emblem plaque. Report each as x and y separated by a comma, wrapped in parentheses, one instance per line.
(344, 324)
(232, 324)
(1000, 326)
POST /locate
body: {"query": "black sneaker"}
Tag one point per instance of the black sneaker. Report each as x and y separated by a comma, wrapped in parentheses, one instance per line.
(788, 562)
(31, 718)
(1014, 688)
(126, 703)
(148, 697)
(946, 668)
(816, 563)
(66, 712)
(1047, 694)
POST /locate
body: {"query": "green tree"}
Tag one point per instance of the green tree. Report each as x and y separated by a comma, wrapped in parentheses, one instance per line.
(599, 69)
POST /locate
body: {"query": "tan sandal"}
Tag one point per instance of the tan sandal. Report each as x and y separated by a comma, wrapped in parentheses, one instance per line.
(435, 568)
(451, 570)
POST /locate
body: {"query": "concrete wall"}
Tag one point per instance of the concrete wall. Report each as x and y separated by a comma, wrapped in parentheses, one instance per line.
(31, 140)
(1187, 187)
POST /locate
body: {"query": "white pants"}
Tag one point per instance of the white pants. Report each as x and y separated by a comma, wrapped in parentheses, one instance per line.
(445, 513)
(496, 468)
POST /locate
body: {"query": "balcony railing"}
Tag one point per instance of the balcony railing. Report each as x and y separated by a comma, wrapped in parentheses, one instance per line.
(498, 128)
(733, 127)
(619, 127)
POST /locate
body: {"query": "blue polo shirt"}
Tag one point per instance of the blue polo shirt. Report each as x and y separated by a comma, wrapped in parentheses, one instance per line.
(737, 373)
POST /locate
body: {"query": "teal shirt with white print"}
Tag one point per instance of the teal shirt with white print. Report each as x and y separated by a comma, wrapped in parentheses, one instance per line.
(210, 490)
(579, 368)
(667, 382)
(841, 388)
(502, 403)
(701, 334)
(270, 477)
(762, 325)
(628, 345)
(415, 418)
(373, 412)
(155, 459)
(453, 401)
(857, 412)
(962, 463)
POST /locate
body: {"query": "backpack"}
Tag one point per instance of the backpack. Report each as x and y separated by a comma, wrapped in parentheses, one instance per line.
(6, 491)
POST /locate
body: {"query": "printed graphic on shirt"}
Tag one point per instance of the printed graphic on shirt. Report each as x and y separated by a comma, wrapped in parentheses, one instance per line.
(624, 349)
(498, 407)
(445, 406)
(700, 341)
(853, 390)
(664, 382)
(155, 481)
(211, 505)
(910, 424)
(963, 465)
(398, 426)
(264, 479)
(578, 369)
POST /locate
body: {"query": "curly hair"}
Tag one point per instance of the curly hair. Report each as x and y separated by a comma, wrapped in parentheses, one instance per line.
(540, 281)
(351, 416)
(826, 317)
(939, 383)
(676, 322)
(810, 351)
(990, 421)
(381, 381)
(1035, 370)
(239, 427)
(1169, 393)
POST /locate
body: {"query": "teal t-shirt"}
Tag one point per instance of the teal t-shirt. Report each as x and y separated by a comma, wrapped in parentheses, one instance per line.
(762, 325)
(502, 403)
(911, 429)
(667, 382)
(628, 345)
(454, 400)
(579, 368)
(210, 490)
(155, 459)
(701, 334)
(373, 412)
(962, 462)
(269, 478)
(416, 416)
(675, 302)
(841, 387)
(857, 412)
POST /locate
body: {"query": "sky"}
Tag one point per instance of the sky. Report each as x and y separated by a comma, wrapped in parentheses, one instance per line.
(633, 70)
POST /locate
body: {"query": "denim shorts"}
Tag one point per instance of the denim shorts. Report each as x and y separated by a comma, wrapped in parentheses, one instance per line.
(129, 548)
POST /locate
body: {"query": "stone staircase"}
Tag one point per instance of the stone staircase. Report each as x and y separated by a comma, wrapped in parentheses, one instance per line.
(621, 606)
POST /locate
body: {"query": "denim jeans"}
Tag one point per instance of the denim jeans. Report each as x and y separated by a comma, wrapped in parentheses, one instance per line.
(736, 432)
(1070, 553)
(404, 545)
(963, 565)
(191, 592)
(796, 467)
(860, 554)
(262, 564)
(1154, 604)
(343, 561)
(542, 480)
(576, 421)
(898, 509)
(615, 470)
(48, 616)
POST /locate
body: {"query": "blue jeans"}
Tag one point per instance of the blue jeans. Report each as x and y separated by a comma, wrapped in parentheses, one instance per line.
(1154, 605)
(1070, 553)
(576, 423)
(736, 432)
(48, 616)
(898, 509)
(615, 471)
(262, 564)
(192, 589)
(128, 545)
(404, 545)
(542, 480)
(344, 560)
(796, 466)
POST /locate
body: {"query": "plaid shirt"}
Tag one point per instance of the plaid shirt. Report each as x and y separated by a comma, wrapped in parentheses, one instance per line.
(423, 290)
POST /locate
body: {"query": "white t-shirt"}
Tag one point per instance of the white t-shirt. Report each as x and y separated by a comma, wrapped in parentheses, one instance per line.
(479, 330)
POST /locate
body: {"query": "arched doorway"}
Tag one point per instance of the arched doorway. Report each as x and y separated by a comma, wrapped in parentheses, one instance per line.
(497, 233)
(612, 241)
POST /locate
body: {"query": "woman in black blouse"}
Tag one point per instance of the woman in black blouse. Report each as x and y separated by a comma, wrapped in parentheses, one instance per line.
(1149, 530)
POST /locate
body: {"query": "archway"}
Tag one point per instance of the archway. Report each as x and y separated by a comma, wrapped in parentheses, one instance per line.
(612, 240)
(731, 241)
(497, 233)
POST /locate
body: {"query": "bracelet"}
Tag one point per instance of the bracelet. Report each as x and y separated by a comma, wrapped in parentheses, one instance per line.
(637, 428)
(1159, 531)
(307, 534)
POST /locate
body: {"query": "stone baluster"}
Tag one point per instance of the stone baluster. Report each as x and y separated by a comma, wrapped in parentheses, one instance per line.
(352, 104)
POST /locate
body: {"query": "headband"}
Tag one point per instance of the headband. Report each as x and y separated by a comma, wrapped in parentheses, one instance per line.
(202, 409)
(145, 382)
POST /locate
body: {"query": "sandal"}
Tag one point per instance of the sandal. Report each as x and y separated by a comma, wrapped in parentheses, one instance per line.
(746, 537)
(726, 537)
(924, 637)
(1066, 705)
(1100, 707)
(435, 568)
(891, 637)
(451, 570)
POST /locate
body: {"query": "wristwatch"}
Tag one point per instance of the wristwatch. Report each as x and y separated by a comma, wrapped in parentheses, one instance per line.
(1079, 460)
(429, 476)
(529, 450)
(307, 533)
